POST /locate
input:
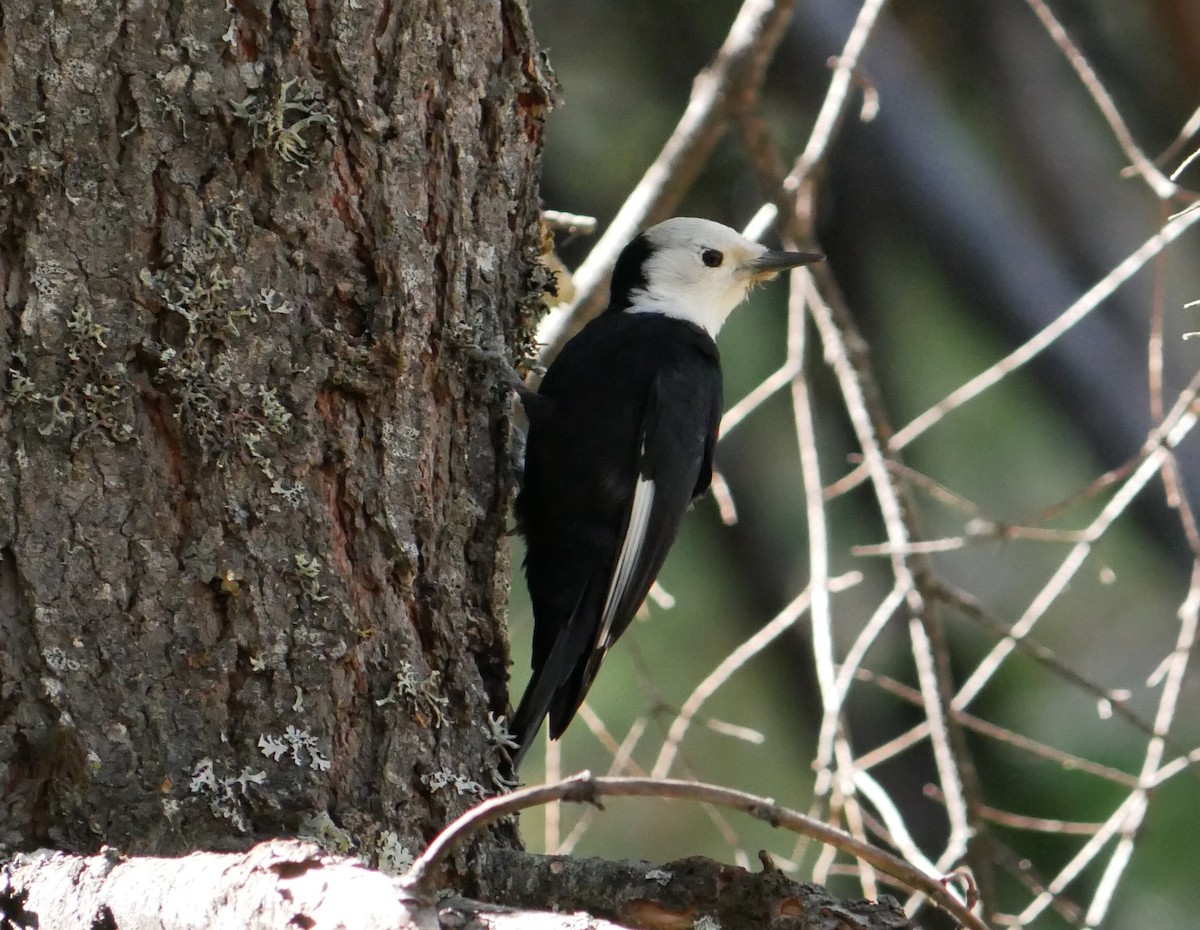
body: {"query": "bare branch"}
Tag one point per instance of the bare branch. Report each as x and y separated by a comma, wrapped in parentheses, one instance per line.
(1141, 164)
(1189, 129)
(734, 662)
(585, 788)
(849, 793)
(832, 115)
(1067, 760)
(1177, 663)
(1174, 428)
(1093, 298)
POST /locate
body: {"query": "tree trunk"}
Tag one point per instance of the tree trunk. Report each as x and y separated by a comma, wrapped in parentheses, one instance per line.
(252, 493)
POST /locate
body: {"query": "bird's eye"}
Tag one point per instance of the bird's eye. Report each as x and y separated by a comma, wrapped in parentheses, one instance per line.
(712, 258)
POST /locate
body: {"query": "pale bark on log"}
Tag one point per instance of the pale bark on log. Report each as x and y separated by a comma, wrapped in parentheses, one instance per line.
(285, 884)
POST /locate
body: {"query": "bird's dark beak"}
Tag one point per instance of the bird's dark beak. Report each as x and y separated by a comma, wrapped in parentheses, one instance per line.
(770, 263)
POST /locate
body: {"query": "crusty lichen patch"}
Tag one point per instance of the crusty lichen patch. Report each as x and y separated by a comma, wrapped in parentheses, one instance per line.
(199, 347)
(86, 392)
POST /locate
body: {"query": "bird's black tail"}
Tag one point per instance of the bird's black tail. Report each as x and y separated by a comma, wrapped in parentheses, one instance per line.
(556, 681)
(527, 720)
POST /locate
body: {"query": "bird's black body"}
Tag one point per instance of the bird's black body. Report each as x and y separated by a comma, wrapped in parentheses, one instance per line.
(659, 407)
(621, 437)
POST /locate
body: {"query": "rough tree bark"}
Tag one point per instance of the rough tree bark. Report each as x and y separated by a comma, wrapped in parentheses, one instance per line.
(253, 490)
(252, 498)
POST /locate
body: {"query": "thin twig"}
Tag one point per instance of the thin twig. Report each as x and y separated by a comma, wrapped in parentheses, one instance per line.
(893, 820)
(1186, 163)
(833, 112)
(1189, 129)
(1043, 655)
(621, 764)
(1028, 824)
(1162, 187)
(729, 666)
(1077, 864)
(723, 497)
(764, 391)
(1020, 868)
(1189, 617)
(574, 223)
(1025, 353)
(947, 756)
(552, 825)
(1174, 428)
(866, 638)
(818, 531)
(1177, 765)
(596, 726)
(856, 818)
(1069, 761)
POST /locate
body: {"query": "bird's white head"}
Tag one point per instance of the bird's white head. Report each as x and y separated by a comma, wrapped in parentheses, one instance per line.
(694, 269)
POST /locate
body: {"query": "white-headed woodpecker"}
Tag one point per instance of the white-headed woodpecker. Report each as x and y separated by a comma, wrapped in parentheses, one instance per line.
(620, 441)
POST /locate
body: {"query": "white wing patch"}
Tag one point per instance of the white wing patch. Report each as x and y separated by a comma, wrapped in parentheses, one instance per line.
(631, 550)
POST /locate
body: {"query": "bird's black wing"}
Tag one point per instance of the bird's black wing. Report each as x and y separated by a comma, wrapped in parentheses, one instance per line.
(674, 466)
(599, 523)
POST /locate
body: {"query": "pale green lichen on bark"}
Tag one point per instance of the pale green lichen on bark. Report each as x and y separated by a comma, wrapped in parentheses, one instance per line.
(92, 394)
(282, 124)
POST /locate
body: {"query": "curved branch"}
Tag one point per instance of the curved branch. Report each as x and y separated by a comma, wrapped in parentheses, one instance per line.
(584, 787)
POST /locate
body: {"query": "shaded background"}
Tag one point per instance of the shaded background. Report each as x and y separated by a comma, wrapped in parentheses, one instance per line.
(982, 200)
